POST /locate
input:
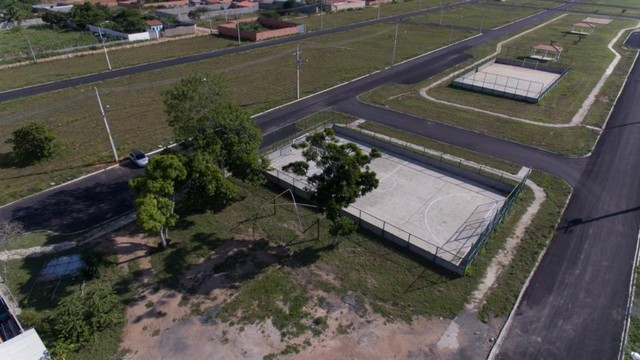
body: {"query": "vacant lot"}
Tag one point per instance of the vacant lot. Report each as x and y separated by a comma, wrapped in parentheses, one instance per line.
(136, 114)
(43, 40)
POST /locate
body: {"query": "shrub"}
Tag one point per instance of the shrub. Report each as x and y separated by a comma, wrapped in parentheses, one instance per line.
(32, 142)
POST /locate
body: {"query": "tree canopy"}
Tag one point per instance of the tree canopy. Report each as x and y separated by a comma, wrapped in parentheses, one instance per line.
(202, 115)
(155, 194)
(343, 175)
(123, 19)
(32, 142)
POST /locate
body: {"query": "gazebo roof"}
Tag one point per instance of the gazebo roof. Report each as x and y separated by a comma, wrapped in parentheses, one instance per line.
(547, 47)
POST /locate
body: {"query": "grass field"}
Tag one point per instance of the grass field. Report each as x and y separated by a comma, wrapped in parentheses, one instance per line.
(553, 108)
(39, 300)
(43, 40)
(136, 114)
(602, 9)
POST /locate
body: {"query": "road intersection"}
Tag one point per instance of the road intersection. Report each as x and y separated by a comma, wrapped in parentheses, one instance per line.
(576, 302)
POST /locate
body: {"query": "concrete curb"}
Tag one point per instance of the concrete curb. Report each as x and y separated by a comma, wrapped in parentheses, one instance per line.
(632, 286)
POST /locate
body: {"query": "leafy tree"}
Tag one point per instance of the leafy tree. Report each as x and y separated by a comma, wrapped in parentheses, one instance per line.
(32, 142)
(201, 112)
(16, 11)
(55, 19)
(129, 20)
(207, 180)
(88, 13)
(343, 176)
(155, 194)
(83, 314)
(197, 13)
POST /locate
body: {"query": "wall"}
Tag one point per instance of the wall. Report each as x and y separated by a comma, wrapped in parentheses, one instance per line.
(179, 31)
(112, 33)
(283, 28)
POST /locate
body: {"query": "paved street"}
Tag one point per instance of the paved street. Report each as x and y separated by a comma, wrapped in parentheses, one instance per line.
(575, 305)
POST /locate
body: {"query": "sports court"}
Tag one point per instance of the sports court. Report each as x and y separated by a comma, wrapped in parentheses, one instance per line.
(525, 80)
(439, 212)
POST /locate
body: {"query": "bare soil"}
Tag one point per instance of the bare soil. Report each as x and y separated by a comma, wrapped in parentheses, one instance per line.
(168, 324)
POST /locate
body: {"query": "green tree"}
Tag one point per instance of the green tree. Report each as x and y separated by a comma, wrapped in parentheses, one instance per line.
(16, 11)
(207, 181)
(202, 115)
(88, 13)
(155, 194)
(343, 176)
(32, 142)
(129, 20)
(55, 19)
(83, 314)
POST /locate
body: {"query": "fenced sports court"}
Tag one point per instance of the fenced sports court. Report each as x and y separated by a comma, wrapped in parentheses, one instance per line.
(526, 80)
(441, 211)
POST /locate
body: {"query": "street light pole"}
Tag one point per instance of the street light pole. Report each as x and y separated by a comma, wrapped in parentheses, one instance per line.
(321, 12)
(106, 124)
(298, 65)
(395, 42)
(379, 7)
(441, 12)
(104, 47)
(481, 22)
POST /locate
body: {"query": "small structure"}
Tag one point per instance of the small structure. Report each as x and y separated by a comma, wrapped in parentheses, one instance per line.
(583, 28)
(598, 20)
(15, 342)
(340, 5)
(154, 25)
(546, 52)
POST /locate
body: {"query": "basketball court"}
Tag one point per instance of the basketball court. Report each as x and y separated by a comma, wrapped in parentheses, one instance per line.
(438, 212)
(525, 81)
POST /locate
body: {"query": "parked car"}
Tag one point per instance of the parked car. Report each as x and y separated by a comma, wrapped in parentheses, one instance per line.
(139, 158)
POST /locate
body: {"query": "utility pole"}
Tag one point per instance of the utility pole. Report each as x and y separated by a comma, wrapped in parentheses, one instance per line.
(238, 25)
(106, 124)
(298, 65)
(210, 27)
(395, 42)
(33, 55)
(379, 7)
(321, 12)
(481, 22)
(441, 12)
(104, 47)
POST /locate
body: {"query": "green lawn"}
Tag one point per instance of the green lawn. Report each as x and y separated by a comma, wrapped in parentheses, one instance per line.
(43, 40)
(558, 106)
(136, 114)
(39, 300)
(603, 10)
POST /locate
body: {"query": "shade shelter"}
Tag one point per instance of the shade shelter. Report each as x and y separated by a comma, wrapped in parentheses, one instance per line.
(546, 52)
(583, 28)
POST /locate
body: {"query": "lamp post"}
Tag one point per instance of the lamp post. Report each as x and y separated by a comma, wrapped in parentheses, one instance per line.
(481, 22)
(395, 42)
(106, 124)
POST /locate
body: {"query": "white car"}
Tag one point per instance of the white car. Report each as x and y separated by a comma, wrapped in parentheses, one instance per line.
(139, 158)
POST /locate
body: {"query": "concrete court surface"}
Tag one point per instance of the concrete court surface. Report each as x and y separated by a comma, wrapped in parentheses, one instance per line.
(432, 209)
(510, 79)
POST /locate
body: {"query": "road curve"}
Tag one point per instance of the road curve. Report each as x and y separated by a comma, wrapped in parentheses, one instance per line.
(575, 304)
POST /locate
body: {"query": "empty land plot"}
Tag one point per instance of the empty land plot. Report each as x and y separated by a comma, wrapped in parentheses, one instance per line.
(441, 213)
(136, 114)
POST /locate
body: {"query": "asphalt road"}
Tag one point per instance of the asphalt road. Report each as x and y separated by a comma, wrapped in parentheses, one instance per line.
(575, 304)
(92, 78)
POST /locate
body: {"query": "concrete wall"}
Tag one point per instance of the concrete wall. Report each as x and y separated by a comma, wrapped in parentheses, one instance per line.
(282, 28)
(179, 31)
(345, 6)
(147, 35)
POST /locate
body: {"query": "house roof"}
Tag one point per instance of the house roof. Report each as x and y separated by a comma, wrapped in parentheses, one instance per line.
(245, 4)
(555, 48)
(153, 22)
